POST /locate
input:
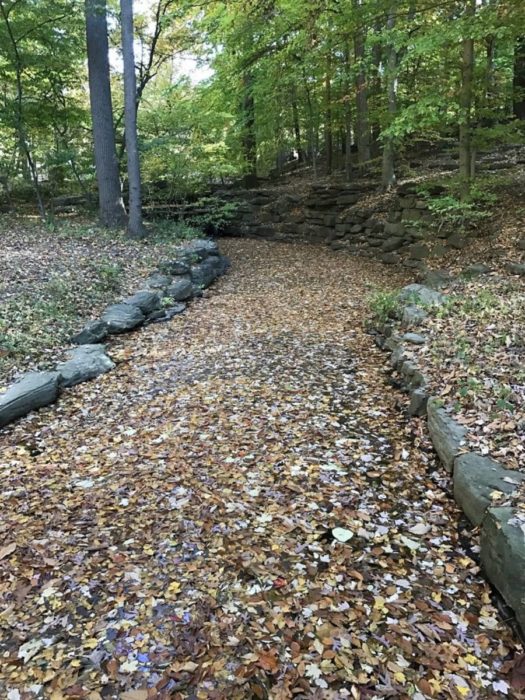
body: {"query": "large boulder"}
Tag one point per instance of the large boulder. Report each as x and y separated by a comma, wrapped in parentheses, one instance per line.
(93, 332)
(503, 556)
(419, 294)
(35, 390)
(206, 272)
(179, 266)
(447, 435)
(158, 281)
(180, 290)
(84, 363)
(166, 314)
(412, 316)
(146, 300)
(201, 248)
(121, 318)
(476, 478)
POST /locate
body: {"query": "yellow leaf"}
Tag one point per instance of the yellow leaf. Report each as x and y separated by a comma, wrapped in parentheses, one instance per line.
(174, 587)
(400, 677)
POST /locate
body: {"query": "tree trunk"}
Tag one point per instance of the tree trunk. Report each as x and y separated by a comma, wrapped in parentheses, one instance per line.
(348, 115)
(249, 137)
(328, 131)
(135, 225)
(389, 174)
(519, 78)
(362, 123)
(312, 127)
(111, 207)
(465, 104)
(297, 126)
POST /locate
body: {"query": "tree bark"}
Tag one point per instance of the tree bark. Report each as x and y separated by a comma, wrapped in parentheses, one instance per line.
(362, 122)
(328, 130)
(297, 126)
(348, 115)
(519, 78)
(388, 170)
(111, 207)
(465, 104)
(249, 137)
(135, 226)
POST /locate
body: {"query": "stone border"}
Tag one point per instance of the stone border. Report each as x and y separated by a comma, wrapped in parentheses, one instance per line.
(195, 267)
(475, 477)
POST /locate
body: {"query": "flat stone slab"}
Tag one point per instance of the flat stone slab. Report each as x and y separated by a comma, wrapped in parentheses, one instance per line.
(121, 318)
(166, 314)
(412, 316)
(86, 362)
(146, 300)
(35, 390)
(419, 294)
(414, 338)
(447, 434)
(93, 332)
(180, 290)
(475, 478)
(158, 281)
(503, 556)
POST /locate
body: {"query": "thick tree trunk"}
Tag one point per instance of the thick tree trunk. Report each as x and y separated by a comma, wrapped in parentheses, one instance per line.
(465, 105)
(362, 122)
(312, 126)
(519, 78)
(249, 138)
(389, 172)
(135, 226)
(111, 207)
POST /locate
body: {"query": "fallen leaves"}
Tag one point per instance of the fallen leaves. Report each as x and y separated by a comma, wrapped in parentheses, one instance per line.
(239, 511)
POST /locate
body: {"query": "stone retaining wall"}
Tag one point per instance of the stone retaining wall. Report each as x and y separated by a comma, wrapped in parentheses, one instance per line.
(164, 295)
(476, 478)
(392, 229)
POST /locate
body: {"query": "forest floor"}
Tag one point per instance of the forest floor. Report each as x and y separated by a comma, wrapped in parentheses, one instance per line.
(240, 510)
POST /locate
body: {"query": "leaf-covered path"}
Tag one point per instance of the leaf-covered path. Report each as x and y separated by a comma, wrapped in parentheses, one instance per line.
(241, 511)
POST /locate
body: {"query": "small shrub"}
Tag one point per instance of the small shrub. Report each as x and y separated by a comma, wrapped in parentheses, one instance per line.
(384, 305)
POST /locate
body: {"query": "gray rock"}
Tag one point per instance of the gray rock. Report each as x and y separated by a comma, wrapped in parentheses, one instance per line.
(200, 249)
(419, 294)
(457, 241)
(413, 316)
(166, 314)
(475, 478)
(418, 402)
(398, 357)
(35, 390)
(145, 300)
(476, 270)
(180, 290)
(418, 251)
(176, 267)
(93, 332)
(393, 243)
(121, 318)
(520, 245)
(389, 258)
(394, 228)
(447, 435)
(418, 380)
(437, 279)
(206, 272)
(158, 281)
(516, 268)
(85, 363)
(503, 556)
(414, 338)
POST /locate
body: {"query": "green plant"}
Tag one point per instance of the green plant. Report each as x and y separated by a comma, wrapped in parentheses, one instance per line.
(384, 305)
(107, 276)
(215, 216)
(169, 231)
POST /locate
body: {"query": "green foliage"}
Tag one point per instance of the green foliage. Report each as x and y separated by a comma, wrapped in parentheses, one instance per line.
(384, 305)
(216, 215)
(169, 231)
